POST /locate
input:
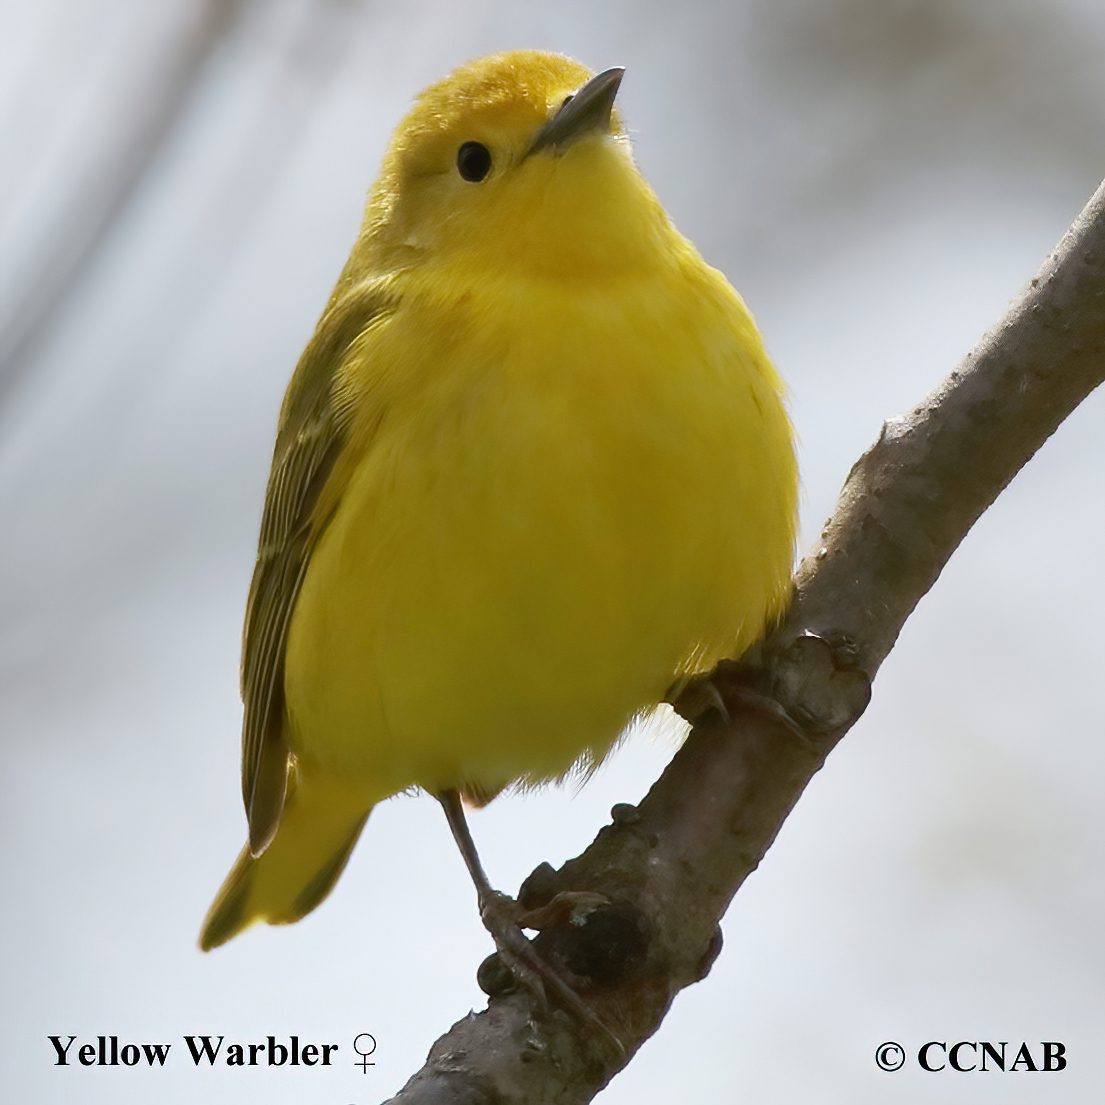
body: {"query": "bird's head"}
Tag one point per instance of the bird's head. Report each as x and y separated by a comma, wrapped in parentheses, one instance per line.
(515, 162)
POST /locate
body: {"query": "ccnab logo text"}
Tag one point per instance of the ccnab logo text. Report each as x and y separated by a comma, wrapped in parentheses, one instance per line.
(982, 1055)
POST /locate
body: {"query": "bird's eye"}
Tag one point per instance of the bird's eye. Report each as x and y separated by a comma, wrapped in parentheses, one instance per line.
(473, 161)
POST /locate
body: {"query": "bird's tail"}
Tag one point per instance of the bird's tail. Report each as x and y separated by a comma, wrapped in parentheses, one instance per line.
(318, 828)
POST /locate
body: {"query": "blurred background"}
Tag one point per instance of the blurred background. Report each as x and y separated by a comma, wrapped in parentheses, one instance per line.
(181, 183)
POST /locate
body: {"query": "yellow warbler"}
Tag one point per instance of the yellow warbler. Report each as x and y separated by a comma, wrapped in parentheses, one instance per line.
(532, 467)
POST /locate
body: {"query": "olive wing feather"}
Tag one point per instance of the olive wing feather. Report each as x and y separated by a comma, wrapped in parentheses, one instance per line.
(312, 436)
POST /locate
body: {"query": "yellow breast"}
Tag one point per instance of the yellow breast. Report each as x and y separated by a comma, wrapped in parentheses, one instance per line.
(567, 499)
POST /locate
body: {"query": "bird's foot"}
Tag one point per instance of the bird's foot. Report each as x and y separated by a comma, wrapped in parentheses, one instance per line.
(743, 686)
(504, 918)
(815, 686)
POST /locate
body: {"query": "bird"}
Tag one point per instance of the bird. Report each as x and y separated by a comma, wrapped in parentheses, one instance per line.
(533, 468)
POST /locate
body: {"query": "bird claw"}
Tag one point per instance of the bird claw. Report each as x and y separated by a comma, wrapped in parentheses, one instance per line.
(503, 917)
(500, 916)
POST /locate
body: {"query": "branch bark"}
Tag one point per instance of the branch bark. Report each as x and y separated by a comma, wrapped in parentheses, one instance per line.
(670, 866)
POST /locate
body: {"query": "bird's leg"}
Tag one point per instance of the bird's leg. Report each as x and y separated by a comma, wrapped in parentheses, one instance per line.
(501, 915)
(458, 823)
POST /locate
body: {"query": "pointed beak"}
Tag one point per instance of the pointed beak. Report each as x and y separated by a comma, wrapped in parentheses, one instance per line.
(586, 110)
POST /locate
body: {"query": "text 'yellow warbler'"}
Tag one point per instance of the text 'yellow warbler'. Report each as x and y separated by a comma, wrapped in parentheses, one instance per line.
(533, 466)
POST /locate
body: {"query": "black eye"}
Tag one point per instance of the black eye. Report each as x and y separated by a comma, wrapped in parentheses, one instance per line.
(473, 161)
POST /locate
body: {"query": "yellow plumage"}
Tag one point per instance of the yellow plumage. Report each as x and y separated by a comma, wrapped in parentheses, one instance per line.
(532, 467)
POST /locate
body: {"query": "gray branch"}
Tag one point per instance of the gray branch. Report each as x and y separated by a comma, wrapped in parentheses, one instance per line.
(669, 867)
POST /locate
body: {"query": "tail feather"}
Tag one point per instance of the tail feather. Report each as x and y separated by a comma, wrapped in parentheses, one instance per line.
(318, 828)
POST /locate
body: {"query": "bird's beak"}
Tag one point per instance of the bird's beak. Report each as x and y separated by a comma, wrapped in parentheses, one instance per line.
(586, 110)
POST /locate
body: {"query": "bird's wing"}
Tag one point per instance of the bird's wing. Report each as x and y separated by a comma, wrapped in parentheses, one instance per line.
(313, 435)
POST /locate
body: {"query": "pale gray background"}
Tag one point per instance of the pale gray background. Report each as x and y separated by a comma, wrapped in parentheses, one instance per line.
(878, 177)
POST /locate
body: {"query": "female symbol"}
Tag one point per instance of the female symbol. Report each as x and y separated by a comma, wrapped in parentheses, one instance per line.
(364, 1064)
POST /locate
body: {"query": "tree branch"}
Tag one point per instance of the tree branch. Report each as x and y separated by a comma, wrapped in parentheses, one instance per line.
(670, 866)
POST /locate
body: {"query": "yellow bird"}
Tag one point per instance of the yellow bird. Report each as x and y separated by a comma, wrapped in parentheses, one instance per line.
(533, 467)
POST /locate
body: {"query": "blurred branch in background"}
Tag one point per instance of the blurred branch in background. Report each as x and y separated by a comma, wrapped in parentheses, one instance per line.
(101, 193)
(141, 109)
